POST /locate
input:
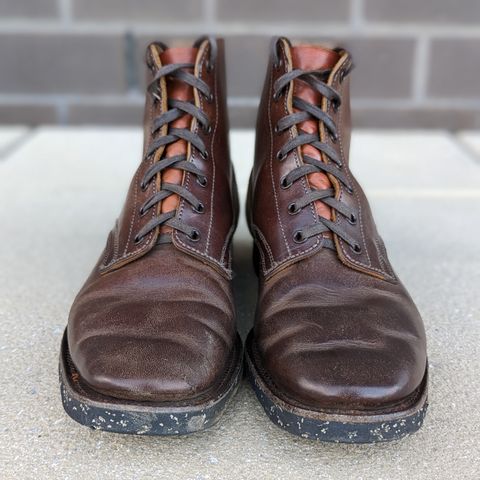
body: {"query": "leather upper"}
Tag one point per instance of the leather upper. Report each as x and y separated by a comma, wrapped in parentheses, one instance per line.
(156, 322)
(333, 329)
(218, 222)
(151, 330)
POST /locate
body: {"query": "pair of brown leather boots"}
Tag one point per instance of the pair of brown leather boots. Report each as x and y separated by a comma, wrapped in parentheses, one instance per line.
(338, 349)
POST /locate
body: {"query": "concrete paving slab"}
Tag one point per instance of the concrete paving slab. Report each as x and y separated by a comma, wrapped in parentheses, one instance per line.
(419, 162)
(9, 136)
(60, 193)
(471, 140)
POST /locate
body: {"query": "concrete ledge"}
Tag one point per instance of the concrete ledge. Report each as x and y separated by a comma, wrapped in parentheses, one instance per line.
(60, 192)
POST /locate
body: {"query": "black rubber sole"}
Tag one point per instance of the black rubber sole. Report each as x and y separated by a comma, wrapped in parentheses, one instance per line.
(331, 427)
(99, 412)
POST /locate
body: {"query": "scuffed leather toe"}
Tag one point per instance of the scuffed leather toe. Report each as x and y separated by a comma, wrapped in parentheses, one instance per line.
(338, 345)
(165, 337)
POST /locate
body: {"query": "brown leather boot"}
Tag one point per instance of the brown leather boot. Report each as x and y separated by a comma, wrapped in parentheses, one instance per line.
(151, 345)
(338, 349)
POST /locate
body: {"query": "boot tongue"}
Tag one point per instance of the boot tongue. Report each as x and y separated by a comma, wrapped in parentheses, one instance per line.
(178, 90)
(313, 57)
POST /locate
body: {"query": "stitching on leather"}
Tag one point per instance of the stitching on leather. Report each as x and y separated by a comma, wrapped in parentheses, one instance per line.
(347, 172)
(271, 160)
(226, 245)
(213, 164)
(304, 184)
(356, 262)
(182, 203)
(125, 255)
(187, 176)
(116, 246)
(304, 180)
(261, 241)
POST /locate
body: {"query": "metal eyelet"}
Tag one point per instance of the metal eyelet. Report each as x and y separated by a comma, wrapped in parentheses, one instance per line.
(336, 105)
(299, 237)
(276, 96)
(349, 189)
(207, 129)
(357, 249)
(281, 156)
(333, 137)
(194, 235)
(352, 219)
(277, 65)
(204, 154)
(200, 208)
(202, 181)
(293, 209)
(209, 66)
(138, 239)
(144, 186)
(143, 211)
(209, 97)
(284, 184)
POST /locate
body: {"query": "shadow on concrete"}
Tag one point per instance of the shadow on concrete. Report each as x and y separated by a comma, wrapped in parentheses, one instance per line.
(244, 285)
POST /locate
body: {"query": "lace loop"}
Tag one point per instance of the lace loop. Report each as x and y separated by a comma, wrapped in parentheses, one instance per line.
(315, 79)
(176, 110)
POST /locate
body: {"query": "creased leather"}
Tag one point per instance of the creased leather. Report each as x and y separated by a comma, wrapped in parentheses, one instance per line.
(157, 322)
(334, 329)
(217, 224)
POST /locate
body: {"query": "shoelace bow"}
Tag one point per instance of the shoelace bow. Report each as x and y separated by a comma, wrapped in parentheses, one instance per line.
(306, 111)
(177, 109)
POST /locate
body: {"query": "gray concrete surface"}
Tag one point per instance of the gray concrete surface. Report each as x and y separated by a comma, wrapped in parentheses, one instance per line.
(60, 191)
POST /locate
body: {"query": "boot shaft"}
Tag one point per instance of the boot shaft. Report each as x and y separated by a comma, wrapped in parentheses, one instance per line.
(302, 195)
(184, 190)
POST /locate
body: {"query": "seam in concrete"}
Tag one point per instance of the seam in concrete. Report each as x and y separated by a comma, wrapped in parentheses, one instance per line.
(14, 145)
(424, 193)
(470, 152)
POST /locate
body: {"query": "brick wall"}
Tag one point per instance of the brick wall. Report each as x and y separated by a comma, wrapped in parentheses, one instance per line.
(80, 61)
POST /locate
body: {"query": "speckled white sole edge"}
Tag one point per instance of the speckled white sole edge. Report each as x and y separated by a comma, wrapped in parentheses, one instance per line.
(142, 419)
(333, 427)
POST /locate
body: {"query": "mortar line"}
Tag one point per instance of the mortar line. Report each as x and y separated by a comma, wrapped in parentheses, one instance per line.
(421, 64)
(210, 8)
(65, 11)
(357, 15)
(339, 29)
